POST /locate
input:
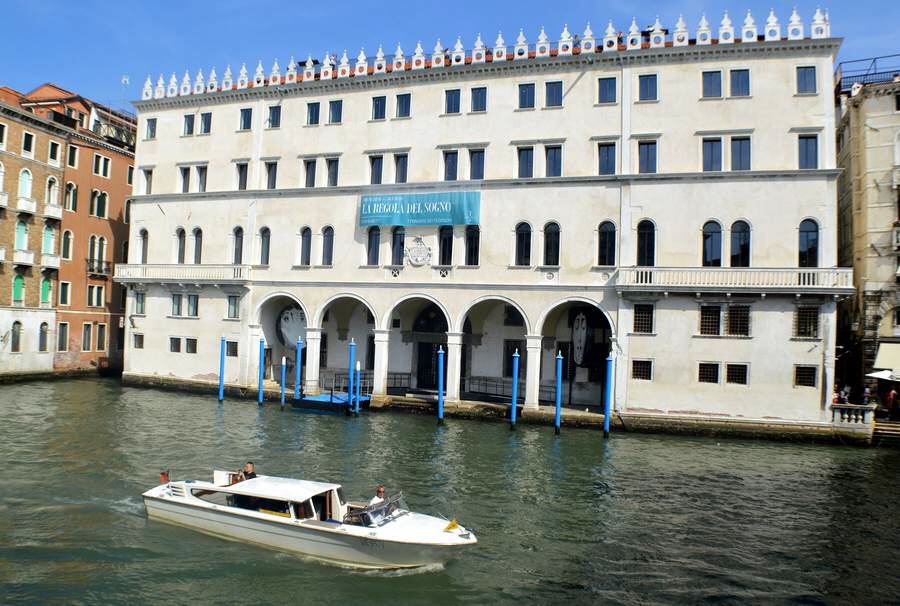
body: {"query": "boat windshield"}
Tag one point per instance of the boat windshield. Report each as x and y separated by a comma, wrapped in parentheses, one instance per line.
(379, 514)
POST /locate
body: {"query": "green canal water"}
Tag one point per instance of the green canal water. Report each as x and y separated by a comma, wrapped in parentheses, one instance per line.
(570, 519)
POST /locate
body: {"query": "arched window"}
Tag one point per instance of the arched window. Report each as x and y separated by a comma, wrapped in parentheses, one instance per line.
(398, 241)
(18, 290)
(16, 339)
(740, 244)
(606, 253)
(43, 335)
(328, 245)
(473, 245)
(306, 246)
(66, 245)
(101, 249)
(523, 244)
(71, 201)
(101, 204)
(45, 292)
(712, 244)
(48, 242)
(179, 245)
(646, 244)
(445, 245)
(198, 245)
(373, 243)
(21, 235)
(551, 244)
(25, 183)
(265, 237)
(50, 196)
(95, 195)
(92, 250)
(809, 243)
(237, 256)
(145, 245)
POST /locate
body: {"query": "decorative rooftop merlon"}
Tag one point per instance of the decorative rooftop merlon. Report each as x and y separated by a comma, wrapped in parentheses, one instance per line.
(652, 37)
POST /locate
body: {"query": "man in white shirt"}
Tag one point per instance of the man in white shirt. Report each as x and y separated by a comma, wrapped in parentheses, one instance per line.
(379, 495)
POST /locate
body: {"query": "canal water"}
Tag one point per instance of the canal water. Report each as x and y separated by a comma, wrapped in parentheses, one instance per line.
(638, 519)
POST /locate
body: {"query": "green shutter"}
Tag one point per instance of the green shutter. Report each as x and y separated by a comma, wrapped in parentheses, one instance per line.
(18, 288)
(47, 247)
(21, 236)
(45, 290)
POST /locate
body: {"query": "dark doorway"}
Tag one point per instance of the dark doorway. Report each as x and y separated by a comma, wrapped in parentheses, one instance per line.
(430, 334)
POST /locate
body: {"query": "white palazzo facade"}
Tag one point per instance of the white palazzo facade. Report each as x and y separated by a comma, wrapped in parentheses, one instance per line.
(666, 199)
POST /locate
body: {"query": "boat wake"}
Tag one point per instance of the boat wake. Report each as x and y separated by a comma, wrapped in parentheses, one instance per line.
(403, 572)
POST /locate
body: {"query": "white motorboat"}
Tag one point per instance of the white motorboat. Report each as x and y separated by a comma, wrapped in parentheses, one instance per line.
(309, 518)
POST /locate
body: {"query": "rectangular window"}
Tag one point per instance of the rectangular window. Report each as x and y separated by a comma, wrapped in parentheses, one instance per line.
(137, 340)
(451, 101)
(274, 116)
(64, 292)
(246, 120)
(647, 88)
(643, 318)
(193, 305)
(554, 94)
(526, 96)
(174, 344)
(234, 307)
(176, 304)
(379, 107)
(711, 320)
(86, 337)
(28, 145)
(805, 376)
(53, 153)
(740, 83)
(2, 136)
(101, 337)
(809, 151)
(312, 113)
(806, 322)
(479, 99)
(740, 153)
(736, 374)
(241, 171)
(476, 164)
(404, 105)
(95, 296)
(642, 370)
(231, 349)
(806, 80)
(712, 155)
(607, 153)
(201, 178)
(553, 157)
(271, 175)
(72, 157)
(205, 123)
(451, 162)
(150, 133)
(335, 111)
(376, 164)
(139, 303)
(129, 178)
(309, 167)
(62, 336)
(739, 320)
(646, 157)
(712, 84)
(708, 372)
(526, 162)
(332, 165)
(510, 346)
(190, 346)
(606, 90)
(323, 350)
(101, 165)
(148, 181)
(188, 125)
(185, 179)
(401, 164)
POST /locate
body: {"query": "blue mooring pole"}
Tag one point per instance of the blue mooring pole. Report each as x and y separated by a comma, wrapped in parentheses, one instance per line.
(350, 366)
(283, 370)
(607, 395)
(221, 369)
(298, 365)
(556, 420)
(358, 381)
(515, 389)
(440, 377)
(262, 367)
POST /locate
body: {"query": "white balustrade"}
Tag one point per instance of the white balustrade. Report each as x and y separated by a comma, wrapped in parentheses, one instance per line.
(2, 254)
(23, 257)
(49, 261)
(53, 211)
(26, 205)
(4, 199)
(735, 278)
(182, 273)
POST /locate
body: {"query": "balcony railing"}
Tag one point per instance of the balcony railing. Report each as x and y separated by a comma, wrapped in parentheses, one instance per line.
(26, 205)
(4, 199)
(49, 261)
(23, 257)
(2, 254)
(53, 211)
(823, 280)
(98, 267)
(178, 273)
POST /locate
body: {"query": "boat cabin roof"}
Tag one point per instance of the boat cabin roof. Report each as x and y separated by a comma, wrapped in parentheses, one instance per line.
(287, 489)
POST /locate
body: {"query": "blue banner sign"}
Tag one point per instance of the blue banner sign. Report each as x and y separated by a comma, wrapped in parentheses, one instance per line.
(438, 208)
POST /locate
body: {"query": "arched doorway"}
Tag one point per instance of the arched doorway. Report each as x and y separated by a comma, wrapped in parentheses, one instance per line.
(418, 329)
(582, 333)
(493, 330)
(345, 319)
(282, 319)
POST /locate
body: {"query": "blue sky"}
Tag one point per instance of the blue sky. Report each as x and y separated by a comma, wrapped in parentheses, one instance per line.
(135, 38)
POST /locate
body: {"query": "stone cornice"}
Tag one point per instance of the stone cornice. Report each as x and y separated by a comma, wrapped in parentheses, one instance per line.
(598, 60)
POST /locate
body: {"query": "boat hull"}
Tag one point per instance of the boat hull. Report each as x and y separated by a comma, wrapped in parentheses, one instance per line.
(321, 543)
